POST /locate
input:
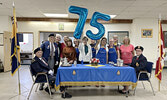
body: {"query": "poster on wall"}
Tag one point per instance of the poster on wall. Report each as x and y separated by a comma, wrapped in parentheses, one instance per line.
(165, 38)
(120, 34)
(146, 33)
(1, 39)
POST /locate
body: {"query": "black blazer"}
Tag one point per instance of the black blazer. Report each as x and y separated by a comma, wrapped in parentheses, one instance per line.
(59, 47)
(140, 63)
(38, 66)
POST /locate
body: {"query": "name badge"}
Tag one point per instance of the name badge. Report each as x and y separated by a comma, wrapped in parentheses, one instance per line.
(48, 47)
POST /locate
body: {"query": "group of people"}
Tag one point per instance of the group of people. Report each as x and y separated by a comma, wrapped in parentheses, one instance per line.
(53, 51)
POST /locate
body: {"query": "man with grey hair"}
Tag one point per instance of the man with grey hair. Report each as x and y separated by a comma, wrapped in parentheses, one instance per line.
(50, 53)
(116, 44)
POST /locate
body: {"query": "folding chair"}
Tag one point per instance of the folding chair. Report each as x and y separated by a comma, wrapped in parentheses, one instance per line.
(36, 81)
(146, 76)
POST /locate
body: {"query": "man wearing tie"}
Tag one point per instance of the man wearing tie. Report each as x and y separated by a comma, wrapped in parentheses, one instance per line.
(38, 65)
(50, 53)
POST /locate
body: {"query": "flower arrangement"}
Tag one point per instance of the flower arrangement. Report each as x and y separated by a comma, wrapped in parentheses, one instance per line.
(94, 62)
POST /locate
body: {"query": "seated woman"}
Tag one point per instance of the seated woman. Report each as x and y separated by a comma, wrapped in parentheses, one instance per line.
(102, 52)
(112, 52)
(139, 61)
(69, 52)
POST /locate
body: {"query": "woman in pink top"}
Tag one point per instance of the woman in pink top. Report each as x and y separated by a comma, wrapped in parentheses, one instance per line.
(126, 51)
(126, 54)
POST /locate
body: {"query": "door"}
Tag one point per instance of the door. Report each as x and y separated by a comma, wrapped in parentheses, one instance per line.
(7, 51)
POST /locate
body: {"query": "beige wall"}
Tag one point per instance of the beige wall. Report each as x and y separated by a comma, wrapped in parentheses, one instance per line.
(35, 27)
(5, 25)
(150, 44)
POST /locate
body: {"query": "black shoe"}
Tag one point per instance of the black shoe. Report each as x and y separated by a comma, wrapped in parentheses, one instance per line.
(41, 87)
(66, 95)
(47, 90)
(120, 91)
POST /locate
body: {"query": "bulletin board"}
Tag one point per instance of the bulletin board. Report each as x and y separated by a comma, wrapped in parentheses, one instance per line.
(1, 39)
(120, 34)
(165, 38)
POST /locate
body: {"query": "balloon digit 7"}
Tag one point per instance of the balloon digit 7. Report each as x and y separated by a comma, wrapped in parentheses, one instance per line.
(99, 26)
(82, 12)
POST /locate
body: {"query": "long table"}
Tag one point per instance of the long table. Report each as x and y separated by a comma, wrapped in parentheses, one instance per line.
(108, 75)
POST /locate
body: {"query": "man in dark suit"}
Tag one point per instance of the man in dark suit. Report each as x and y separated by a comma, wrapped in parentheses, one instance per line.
(139, 61)
(50, 53)
(38, 65)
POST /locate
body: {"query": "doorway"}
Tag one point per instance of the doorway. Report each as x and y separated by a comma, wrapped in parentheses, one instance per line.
(43, 35)
(26, 47)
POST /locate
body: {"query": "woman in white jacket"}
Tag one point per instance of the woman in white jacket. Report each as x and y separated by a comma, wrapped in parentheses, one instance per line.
(85, 51)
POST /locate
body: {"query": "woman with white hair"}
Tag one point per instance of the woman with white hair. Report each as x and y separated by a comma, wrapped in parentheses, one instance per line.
(59, 44)
(112, 52)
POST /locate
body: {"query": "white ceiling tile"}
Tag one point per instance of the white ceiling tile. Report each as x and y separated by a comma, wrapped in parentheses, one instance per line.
(124, 9)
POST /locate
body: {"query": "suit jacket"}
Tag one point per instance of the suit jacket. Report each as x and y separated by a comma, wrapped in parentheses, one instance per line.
(60, 51)
(46, 50)
(38, 66)
(140, 63)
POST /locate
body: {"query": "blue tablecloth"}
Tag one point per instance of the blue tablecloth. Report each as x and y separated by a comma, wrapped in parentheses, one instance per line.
(105, 75)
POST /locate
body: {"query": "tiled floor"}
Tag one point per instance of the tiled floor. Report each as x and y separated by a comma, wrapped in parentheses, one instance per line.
(9, 89)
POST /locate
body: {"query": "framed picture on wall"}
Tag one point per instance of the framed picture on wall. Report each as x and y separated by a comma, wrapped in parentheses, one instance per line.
(146, 33)
(120, 34)
(165, 38)
(1, 39)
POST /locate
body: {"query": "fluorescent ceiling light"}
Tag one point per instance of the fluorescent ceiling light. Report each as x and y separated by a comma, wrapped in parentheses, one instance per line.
(55, 15)
(112, 16)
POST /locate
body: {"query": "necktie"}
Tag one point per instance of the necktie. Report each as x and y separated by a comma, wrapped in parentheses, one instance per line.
(86, 49)
(52, 50)
(44, 62)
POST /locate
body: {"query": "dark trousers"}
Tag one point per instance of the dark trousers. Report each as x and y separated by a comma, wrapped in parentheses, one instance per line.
(56, 66)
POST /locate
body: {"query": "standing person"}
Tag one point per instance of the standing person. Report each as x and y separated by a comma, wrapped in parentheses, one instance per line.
(69, 52)
(65, 38)
(93, 44)
(112, 52)
(50, 53)
(76, 42)
(116, 44)
(85, 51)
(126, 51)
(102, 52)
(58, 39)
